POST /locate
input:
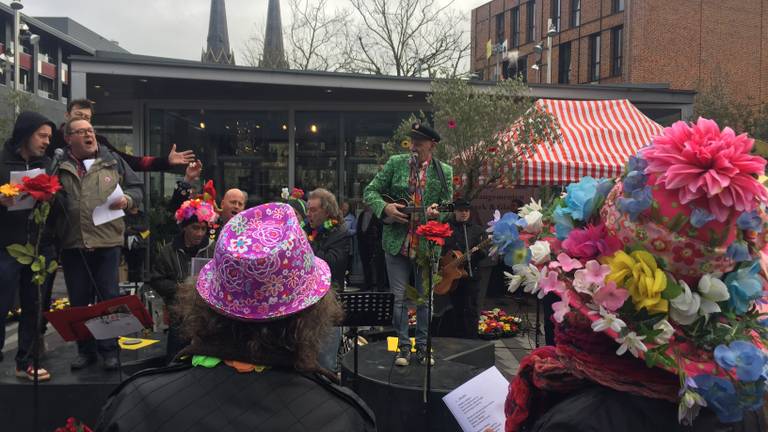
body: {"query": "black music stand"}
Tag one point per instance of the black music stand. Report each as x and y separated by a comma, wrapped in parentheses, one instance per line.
(365, 309)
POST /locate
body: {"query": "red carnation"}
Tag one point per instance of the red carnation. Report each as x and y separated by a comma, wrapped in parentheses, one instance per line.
(451, 124)
(435, 232)
(42, 187)
(297, 193)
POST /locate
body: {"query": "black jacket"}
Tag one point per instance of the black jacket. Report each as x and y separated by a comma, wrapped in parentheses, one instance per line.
(333, 247)
(185, 398)
(474, 234)
(370, 238)
(17, 225)
(172, 266)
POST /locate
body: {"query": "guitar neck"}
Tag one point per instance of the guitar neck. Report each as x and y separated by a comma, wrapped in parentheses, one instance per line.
(481, 245)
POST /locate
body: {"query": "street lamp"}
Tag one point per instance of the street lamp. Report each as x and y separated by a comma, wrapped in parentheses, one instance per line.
(539, 48)
(16, 6)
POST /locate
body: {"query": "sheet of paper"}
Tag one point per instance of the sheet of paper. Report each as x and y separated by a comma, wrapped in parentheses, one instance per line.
(478, 404)
(113, 326)
(25, 202)
(87, 163)
(197, 265)
(103, 214)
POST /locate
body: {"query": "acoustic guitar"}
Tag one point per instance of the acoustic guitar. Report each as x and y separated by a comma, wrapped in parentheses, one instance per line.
(452, 268)
(409, 208)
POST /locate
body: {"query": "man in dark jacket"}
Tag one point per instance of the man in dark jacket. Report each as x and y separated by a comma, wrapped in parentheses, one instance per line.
(173, 265)
(369, 229)
(330, 242)
(25, 150)
(83, 109)
(466, 235)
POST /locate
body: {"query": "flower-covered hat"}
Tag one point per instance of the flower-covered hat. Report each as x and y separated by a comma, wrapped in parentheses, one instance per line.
(263, 267)
(196, 210)
(665, 262)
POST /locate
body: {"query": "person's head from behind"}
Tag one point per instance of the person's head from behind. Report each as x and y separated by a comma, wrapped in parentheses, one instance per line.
(79, 109)
(322, 205)
(265, 313)
(81, 138)
(232, 203)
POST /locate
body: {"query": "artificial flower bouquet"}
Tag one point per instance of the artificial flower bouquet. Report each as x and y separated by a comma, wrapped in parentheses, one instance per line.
(496, 323)
(59, 304)
(74, 425)
(666, 260)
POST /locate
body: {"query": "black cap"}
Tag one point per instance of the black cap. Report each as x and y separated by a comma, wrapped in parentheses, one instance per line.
(422, 131)
(462, 204)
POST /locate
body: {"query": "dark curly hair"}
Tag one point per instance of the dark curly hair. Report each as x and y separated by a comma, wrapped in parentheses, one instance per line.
(293, 341)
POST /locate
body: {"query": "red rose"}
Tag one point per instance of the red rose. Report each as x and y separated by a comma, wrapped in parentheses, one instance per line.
(435, 232)
(297, 193)
(456, 181)
(42, 187)
(451, 124)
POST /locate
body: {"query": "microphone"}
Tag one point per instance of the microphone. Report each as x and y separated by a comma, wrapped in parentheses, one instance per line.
(58, 158)
(414, 161)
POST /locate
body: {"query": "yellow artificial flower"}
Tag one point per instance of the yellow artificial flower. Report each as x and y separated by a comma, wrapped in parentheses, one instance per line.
(645, 280)
(9, 190)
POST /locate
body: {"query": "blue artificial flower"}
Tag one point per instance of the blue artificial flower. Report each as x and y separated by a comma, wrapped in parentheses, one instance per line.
(700, 217)
(563, 223)
(744, 356)
(506, 236)
(744, 285)
(720, 396)
(633, 181)
(637, 163)
(750, 221)
(583, 197)
(738, 251)
(751, 395)
(639, 201)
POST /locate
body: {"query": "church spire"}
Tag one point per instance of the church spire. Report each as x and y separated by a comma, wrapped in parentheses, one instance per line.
(218, 50)
(273, 56)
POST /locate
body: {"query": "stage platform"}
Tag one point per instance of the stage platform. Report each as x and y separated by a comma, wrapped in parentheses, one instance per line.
(78, 394)
(395, 393)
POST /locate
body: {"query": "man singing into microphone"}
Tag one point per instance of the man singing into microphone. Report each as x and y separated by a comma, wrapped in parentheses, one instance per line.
(420, 179)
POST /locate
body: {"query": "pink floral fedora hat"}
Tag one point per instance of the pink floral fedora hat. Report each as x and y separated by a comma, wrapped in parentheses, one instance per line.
(263, 267)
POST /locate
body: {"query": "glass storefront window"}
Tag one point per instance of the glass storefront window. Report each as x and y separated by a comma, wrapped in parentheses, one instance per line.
(239, 149)
(317, 150)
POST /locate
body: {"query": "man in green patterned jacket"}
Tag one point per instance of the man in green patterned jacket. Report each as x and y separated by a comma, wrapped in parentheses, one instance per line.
(425, 182)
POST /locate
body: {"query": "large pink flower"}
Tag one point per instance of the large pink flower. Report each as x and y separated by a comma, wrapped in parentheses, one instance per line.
(707, 165)
(590, 242)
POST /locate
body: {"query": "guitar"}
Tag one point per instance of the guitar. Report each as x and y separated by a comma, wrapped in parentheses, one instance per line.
(452, 268)
(409, 208)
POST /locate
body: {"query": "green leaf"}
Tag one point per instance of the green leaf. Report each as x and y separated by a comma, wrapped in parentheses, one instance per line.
(672, 290)
(24, 260)
(52, 267)
(677, 222)
(411, 293)
(17, 250)
(36, 266)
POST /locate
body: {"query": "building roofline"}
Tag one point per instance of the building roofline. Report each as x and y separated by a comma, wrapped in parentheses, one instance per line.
(159, 67)
(32, 21)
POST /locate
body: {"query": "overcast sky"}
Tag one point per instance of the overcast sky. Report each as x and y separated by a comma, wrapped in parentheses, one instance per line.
(170, 28)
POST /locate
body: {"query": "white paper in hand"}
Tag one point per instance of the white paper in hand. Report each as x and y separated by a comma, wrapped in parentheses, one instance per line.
(103, 214)
(24, 201)
(112, 326)
(478, 404)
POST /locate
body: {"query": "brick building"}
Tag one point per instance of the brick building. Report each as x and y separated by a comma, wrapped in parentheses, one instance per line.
(681, 42)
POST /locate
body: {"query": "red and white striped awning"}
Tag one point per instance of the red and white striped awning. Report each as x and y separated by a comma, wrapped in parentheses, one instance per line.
(597, 139)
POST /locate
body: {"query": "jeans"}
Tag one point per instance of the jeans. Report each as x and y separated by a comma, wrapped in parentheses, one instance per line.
(399, 269)
(103, 265)
(328, 357)
(15, 277)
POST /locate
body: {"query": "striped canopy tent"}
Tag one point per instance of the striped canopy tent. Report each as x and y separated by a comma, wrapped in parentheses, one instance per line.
(597, 139)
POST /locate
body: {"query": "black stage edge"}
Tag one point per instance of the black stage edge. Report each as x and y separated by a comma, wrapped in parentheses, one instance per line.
(78, 394)
(395, 393)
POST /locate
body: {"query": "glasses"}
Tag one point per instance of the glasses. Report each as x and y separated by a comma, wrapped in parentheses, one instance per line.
(83, 132)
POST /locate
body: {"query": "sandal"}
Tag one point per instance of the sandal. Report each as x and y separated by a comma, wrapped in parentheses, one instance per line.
(42, 374)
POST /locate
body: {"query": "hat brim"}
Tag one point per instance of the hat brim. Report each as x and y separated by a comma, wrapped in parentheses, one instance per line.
(420, 135)
(313, 290)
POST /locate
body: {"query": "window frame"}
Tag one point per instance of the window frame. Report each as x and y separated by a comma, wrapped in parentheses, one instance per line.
(617, 6)
(554, 13)
(617, 50)
(514, 27)
(530, 21)
(575, 19)
(500, 28)
(593, 70)
(561, 65)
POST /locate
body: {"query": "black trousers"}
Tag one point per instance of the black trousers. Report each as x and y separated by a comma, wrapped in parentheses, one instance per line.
(102, 263)
(465, 313)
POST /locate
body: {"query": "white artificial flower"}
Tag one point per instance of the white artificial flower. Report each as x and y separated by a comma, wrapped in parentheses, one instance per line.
(712, 291)
(685, 307)
(608, 321)
(531, 277)
(534, 222)
(284, 193)
(690, 405)
(533, 206)
(631, 342)
(513, 281)
(540, 252)
(666, 331)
